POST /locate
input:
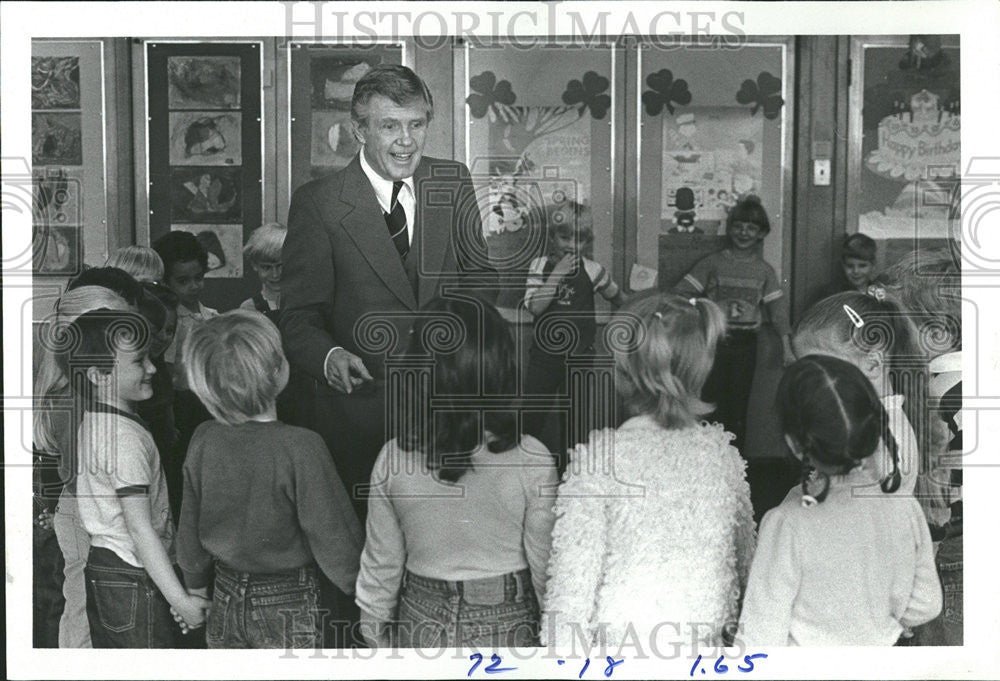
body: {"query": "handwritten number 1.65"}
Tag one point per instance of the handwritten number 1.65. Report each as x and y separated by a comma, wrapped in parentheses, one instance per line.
(721, 668)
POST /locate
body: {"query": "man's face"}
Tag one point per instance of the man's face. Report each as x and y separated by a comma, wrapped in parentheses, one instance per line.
(394, 136)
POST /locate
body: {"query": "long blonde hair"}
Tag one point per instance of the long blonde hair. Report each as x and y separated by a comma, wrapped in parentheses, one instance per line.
(51, 383)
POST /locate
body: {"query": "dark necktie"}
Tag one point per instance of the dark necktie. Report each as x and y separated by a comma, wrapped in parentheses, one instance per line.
(395, 220)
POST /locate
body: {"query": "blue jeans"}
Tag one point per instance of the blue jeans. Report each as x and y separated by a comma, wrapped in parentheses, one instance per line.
(124, 607)
(947, 628)
(486, 613)
(277, 610)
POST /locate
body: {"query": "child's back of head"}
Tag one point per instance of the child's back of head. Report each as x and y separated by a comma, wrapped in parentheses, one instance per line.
(235, 365)
(142, 262)
(112, 278)
(834, 418)
(667, 353)
(928, 283)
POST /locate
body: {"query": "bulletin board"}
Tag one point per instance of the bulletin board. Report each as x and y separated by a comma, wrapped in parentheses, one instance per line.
(540, 127)
(719, 123)
(322, 81)
(905, 140)
(68, 148)
(204, 151)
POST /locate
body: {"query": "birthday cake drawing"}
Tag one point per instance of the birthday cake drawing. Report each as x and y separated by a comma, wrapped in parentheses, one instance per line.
(919, 148)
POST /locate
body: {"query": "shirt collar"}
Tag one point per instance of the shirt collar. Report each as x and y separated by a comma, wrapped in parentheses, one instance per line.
(104, 408)
(893, 402)
(948, 362)
(382, 186)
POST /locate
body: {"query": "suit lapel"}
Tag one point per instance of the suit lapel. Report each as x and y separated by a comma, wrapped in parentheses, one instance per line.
(435, 225)
(365, 225)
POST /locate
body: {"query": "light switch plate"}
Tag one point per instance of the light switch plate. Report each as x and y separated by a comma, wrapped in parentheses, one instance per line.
(821, 172)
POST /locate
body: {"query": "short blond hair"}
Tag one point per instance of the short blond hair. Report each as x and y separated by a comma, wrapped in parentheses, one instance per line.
(235, 365)
(265, 243)
(142, 262)
(667, 354)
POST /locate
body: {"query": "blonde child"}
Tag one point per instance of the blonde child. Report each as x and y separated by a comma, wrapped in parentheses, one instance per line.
(263, 251)
(262, 500)
(56, 417)
(142, 262)
(833, 568)
(874, 334)
(121, 490)
(745, 286)
(654, 522)
(563, 285)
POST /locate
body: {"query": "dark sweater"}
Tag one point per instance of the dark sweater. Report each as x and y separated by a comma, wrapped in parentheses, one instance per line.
(264, 497)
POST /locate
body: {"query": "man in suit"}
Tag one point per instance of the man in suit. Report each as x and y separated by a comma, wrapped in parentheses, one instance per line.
(367, 246)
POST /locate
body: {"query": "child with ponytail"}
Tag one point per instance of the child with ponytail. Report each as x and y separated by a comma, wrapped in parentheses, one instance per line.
(654, 523)
(872, 332)
(834, 568)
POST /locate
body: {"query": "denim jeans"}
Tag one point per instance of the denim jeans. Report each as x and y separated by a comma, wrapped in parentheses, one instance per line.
(487, 613)
(947, 629)
(278, 610)
(74, 542)
(125, 608)
(729, 383)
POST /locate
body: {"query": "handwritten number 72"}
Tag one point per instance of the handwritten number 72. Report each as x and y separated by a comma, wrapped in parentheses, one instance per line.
(494, 666)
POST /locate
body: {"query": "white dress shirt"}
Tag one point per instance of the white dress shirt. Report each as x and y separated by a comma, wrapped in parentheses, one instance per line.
(383, 192)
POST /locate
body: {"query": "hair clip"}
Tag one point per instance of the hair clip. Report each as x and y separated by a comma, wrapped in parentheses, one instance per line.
(876, 292)
(808, 501)
(693, 301)
(658, 315)
(854, 316)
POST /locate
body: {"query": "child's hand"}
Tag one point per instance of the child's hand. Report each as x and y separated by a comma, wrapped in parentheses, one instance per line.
(44, 520)
(563, 267)
(190, 612)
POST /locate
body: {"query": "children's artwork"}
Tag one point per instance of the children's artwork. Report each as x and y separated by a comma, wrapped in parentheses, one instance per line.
(56, 139)
(714, 154)
(205, 194)
(333, 142)
(56, 249)
(224, 244)
(203, 82)
(333, 80)
(57, 197)
(55, 82)
(205, 138)
(920, 150)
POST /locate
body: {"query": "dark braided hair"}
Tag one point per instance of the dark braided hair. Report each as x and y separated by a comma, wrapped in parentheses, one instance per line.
(833, 412)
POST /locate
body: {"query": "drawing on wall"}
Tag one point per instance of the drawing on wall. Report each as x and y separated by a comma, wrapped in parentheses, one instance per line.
(205, 194)
(333, 80)
(57, 198)
(56, 249)
(333, 143)
(203, 82)
(224, 244)
(55, 82)
(56, 139)
(202, 138)
(713, 155)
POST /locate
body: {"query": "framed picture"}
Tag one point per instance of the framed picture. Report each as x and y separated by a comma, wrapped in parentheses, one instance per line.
(55, 83)
(205, 194)
(203, 82)
(202, 138)
(57, 250)
(224, 245)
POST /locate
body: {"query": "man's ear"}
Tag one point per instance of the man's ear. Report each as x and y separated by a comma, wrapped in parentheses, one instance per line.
(794, 445)
(97, 377)
(359, 130)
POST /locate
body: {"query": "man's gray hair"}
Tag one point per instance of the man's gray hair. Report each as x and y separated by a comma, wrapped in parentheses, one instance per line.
(397, 83)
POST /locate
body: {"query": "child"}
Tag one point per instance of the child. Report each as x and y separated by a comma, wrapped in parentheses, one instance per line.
(739, 280)
(857, 260)
(563, 285)
(875, 335)
(833, 568)
(142, 262)
(262, 500)
(923, 280)
(185, 263)
(56, 417)
(460, 512)
(159, 307)
(121, 491)
(654, 523)
(263, 251)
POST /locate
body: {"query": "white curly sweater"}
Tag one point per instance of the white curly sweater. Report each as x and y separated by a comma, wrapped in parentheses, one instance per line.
(654, 536)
